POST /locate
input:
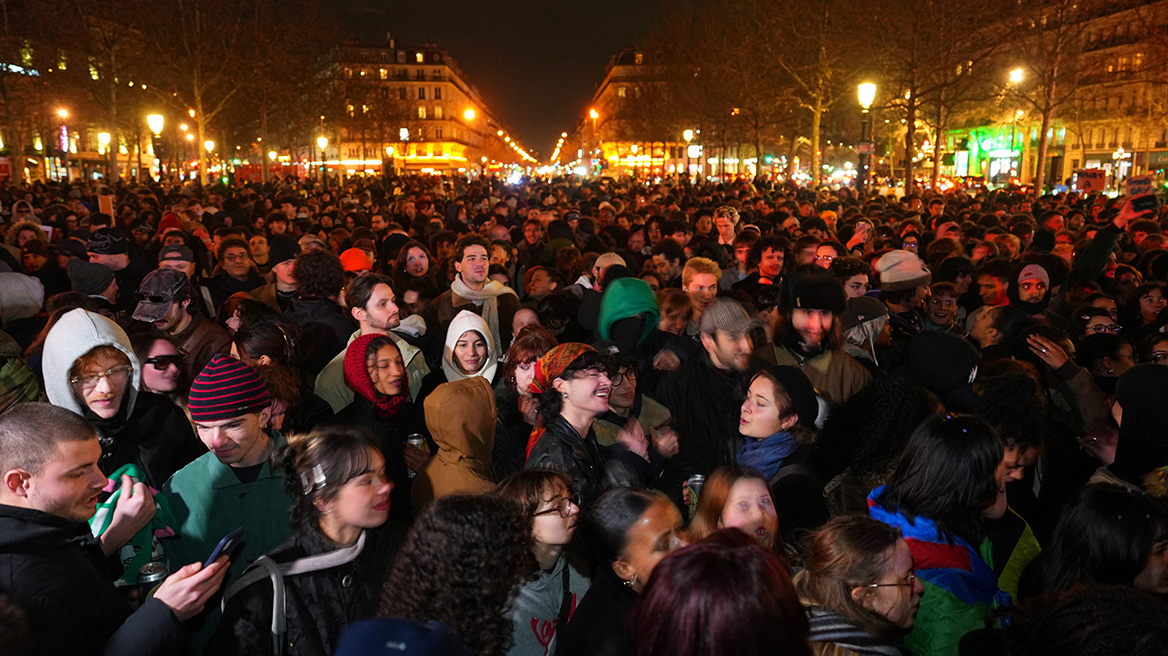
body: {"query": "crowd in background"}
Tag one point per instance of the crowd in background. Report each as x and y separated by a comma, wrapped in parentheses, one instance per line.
(453, 415)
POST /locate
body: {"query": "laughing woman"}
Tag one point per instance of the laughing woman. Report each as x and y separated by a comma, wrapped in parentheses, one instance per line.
(572, 385)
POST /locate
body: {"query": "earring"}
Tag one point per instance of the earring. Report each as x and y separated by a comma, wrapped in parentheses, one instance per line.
(1110, 371)
(632, 582)
(565, 394)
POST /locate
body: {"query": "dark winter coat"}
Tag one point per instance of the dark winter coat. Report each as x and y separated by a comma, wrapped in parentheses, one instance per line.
(319, 605)
(52, 568)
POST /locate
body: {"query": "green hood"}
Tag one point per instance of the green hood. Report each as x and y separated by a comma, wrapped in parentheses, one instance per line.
(624, 298)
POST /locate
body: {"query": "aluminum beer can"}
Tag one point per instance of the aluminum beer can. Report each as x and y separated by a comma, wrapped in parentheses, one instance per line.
(418, 442)
(694, 485)
(149, 576)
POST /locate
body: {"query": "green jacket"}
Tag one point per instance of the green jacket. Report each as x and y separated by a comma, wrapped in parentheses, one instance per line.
(208, 502)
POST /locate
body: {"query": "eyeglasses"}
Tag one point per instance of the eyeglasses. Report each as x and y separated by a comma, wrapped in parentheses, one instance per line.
(619, 378)
(234, 257)
(563, 506)
(912, 246)
(825, 258)
(116, 376)
(912, 579)
(163, 362)
(942, 302)
(1100, 328)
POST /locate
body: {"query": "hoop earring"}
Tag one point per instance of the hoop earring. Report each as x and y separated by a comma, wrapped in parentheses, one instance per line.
(631, 582)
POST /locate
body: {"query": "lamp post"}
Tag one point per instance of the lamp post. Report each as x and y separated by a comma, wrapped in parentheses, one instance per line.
(103, 140)
(688, 135)
(155, 123)
(209, 145)
(64, 140)
(866, 94)
(323, 143)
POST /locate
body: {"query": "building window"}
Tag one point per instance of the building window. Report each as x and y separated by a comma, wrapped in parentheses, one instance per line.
(421, 74)
(421, 112)
(421, 134)
(385, 92)
(383, 73)
(420, 58)
(437, 73)
(639, 58)
(620, 92)
(421, 93)
(350, 110)
(402, 93)
(401, 57)
(437, 93)
(437, 133)
(438, 112)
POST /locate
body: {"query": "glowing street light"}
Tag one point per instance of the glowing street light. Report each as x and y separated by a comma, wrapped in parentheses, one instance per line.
(190, 137)
(209, 145)
(1016, 76)
(103, 138)
(322, 142)
(593, 114)
(469, 114)
(155, 122)
(688, 135)
(63, 113)
(272, 155)
(867, 94)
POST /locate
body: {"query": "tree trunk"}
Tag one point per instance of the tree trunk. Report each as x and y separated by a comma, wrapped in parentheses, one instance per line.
(816, 122)
(792, 153)
(910, 145)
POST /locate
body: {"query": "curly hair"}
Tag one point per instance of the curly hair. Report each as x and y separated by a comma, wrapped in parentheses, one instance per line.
(1096, 619)
(1012, 401)
(529, 345)
(319, 274)
(461, 564)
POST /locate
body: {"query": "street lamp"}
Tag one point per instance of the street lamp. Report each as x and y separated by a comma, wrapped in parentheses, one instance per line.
(63, 113)
(1016, 76)
(688, 135)
(103, 138)
(469, 114)
(209, 145)
(866, 93)
(322, 141)
(155, 122)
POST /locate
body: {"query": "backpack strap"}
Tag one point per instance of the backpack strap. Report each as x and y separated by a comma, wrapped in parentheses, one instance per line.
(279, 611)
(566, 603)
(797, 469)
(328, 560)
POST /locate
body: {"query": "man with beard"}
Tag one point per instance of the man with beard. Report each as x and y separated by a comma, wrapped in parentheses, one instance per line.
(705, 394)
(167, 302)
(373, 304)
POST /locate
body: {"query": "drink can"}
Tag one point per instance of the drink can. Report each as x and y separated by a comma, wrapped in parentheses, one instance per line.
(694, 485)
(149, 576)
(418, 442)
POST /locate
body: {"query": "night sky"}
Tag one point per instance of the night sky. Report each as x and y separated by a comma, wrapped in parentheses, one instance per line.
(535, 62)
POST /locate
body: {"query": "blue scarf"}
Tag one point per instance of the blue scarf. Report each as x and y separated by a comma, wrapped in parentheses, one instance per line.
(767, 455)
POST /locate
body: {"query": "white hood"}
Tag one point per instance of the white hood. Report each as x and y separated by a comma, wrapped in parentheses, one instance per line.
(77, 333)
(464, 321)
(21, 297)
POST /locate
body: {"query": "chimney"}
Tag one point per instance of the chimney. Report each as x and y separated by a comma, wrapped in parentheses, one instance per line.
(389, 39)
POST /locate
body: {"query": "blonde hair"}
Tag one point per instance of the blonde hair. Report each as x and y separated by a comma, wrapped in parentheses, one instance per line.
(696, 265)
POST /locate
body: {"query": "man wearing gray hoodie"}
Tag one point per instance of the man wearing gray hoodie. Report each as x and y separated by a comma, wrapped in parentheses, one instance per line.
(90, 369)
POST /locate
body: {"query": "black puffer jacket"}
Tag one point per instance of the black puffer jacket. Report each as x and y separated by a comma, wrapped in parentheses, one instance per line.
(391, 434)
(319, 605)
(51, 568)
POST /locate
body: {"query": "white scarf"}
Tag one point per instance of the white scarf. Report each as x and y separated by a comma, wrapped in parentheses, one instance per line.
(486, 298)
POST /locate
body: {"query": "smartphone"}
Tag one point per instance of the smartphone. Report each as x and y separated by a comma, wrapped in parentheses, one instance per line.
(1145, 203)
(225, 545)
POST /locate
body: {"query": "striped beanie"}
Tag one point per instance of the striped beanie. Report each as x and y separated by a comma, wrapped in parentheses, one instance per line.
(227, 388)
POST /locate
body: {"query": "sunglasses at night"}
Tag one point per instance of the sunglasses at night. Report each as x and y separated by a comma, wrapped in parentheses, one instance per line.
(163, 362)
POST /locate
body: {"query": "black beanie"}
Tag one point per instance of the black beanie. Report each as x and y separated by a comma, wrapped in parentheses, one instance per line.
(813, 290)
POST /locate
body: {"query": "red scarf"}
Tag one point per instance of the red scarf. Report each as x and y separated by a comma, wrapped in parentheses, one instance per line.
(357, 376)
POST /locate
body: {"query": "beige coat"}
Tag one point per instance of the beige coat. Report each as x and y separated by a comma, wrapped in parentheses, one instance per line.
(461, 418)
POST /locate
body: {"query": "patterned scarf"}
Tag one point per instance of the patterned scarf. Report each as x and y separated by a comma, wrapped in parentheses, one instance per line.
(487, 299)
(357, 376)
(548, 368)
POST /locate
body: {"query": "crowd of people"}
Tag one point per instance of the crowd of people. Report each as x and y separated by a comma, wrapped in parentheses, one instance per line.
(580, 417)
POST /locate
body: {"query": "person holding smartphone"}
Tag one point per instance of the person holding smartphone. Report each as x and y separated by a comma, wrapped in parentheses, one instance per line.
(50, 565)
